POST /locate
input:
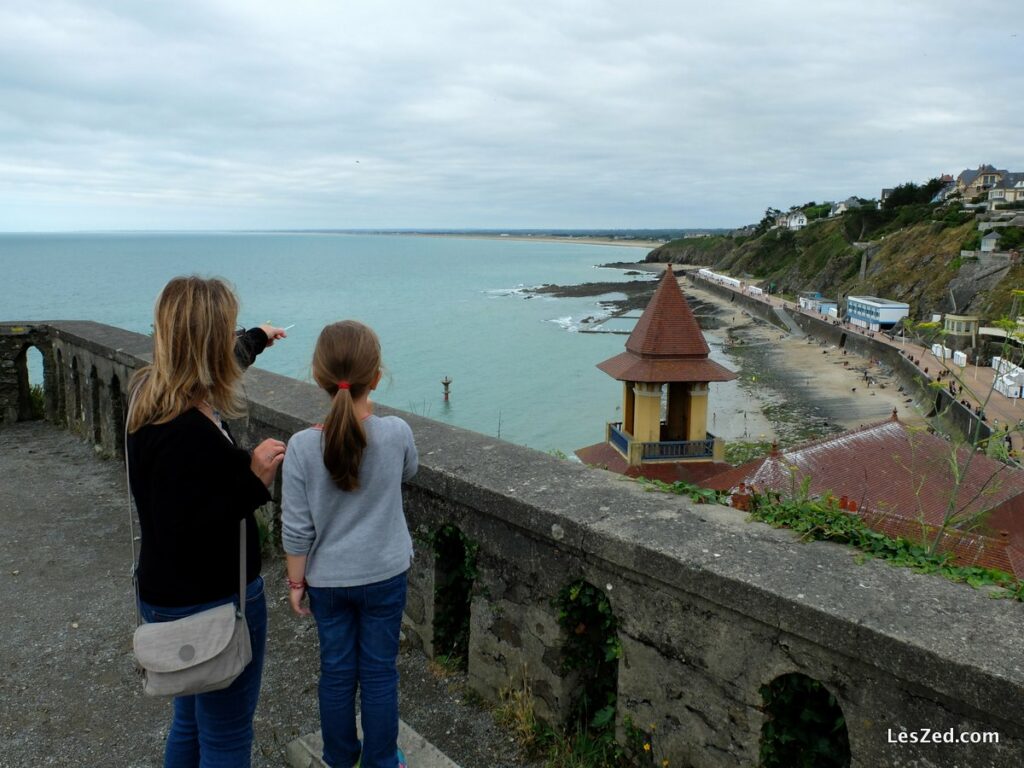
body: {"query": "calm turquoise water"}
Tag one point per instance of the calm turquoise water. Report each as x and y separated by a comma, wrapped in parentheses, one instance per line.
(442, 307)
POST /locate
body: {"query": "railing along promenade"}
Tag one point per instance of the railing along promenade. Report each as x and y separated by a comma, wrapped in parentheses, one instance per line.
(709, 607)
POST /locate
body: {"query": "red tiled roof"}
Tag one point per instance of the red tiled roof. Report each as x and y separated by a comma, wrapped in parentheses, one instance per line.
(900, 478)
(667, 344)
(604, 456)
(667, 327)
(628, 367)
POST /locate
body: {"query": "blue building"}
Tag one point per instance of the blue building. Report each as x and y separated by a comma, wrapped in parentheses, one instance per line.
(874, 313)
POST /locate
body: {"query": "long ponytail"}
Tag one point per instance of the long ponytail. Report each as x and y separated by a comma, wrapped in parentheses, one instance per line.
(345, 365)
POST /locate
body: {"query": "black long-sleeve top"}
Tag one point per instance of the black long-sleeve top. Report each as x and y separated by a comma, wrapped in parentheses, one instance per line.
(192, 485)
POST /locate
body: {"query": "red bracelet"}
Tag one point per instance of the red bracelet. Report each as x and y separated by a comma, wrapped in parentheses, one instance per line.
(295, 584)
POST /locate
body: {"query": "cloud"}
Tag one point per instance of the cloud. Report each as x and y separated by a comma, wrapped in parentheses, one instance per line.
(400, 114)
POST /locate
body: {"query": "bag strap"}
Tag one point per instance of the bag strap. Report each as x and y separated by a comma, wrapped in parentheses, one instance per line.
(131, 511)
(240, 613)
(242, 554)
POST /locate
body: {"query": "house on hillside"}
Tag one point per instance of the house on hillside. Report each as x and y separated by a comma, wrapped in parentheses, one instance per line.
(971, 183)
(947, 189)
(886, 192)
(897, 479)
(791, 220)
(1010, 189)
(838, 209)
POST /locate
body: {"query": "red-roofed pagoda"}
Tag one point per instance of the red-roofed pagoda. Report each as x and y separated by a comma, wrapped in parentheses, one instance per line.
(666, 359)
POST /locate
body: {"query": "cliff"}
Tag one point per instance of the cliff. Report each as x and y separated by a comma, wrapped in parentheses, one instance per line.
(911, 254)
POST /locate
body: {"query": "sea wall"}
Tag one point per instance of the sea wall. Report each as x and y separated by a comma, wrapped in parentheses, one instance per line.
(754, 306)
(709, 607)
(957, 418)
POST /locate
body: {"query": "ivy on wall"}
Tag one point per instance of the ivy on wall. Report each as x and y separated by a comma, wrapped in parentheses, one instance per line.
(804, 726)
(592, 650)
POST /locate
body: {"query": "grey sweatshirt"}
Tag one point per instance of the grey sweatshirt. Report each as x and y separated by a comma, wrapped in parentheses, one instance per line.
(355, 537)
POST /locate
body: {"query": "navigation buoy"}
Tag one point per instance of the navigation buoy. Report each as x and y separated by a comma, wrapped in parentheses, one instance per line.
(446, 382)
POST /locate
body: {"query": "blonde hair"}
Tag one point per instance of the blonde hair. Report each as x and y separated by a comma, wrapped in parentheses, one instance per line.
(193, 353)
(346, 352)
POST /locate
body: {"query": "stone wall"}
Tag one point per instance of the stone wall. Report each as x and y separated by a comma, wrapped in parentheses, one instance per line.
(710, 607)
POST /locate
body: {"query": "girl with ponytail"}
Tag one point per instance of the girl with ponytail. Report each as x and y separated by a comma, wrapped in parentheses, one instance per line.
(348, 546)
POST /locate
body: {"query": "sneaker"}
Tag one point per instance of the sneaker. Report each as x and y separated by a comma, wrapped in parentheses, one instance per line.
(401, 759)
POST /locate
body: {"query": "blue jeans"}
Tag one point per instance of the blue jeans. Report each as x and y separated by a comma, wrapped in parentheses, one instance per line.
(359, 629)
(214, 730)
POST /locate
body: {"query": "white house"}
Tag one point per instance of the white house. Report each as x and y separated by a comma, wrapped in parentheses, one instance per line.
(874, 313)
(988, 242)
(796, 220)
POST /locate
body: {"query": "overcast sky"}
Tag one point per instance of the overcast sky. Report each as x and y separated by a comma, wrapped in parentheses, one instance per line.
(221, 114)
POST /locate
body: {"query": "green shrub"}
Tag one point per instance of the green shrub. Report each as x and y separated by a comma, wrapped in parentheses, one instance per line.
(972, 243)
(592, 649)
(804, 726)
(38, 400)
(1010, 238)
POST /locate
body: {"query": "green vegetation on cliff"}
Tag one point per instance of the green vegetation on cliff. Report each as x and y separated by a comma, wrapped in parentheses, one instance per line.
(909, 252)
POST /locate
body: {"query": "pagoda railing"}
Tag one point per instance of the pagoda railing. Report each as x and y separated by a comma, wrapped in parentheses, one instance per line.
(663, 450)
(673, 450)
(619, 438)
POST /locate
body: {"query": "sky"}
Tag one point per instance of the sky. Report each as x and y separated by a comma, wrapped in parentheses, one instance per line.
(461, 114)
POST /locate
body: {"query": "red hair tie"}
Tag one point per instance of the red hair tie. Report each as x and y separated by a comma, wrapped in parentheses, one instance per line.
(343, 384)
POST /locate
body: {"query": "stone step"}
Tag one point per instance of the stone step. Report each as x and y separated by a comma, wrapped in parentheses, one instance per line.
(305, 751)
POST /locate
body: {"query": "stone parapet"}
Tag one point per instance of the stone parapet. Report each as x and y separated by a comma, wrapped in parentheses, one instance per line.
(710, 607)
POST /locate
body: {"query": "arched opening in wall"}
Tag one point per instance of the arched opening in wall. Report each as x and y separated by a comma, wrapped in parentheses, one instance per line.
(842, 341)
(803, 726)
(454, 576)
(117, 411)
(28, 366)
(97, 419)
(590, 655)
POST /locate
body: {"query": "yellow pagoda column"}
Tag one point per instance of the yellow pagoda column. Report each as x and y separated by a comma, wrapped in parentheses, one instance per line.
(647, 412)
(697, 423)
(628, 401)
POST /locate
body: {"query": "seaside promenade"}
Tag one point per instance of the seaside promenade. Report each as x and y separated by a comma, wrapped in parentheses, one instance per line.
(69, 693)
(975, 383)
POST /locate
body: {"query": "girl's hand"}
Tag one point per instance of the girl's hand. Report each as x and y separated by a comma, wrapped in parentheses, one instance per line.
(295, 598)
(266, 459)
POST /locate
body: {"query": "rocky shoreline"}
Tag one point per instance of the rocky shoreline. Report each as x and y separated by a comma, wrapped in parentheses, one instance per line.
(636, 295)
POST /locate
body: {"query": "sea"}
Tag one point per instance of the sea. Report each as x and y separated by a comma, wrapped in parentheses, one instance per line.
(522, 366)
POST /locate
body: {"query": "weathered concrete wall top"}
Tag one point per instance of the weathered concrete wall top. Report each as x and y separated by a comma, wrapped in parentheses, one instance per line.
(710, 607)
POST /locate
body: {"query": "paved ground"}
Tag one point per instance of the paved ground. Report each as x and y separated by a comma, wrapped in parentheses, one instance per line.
(68, 692)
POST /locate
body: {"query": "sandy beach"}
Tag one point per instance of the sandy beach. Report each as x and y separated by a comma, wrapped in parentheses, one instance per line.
(645, 244)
